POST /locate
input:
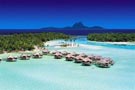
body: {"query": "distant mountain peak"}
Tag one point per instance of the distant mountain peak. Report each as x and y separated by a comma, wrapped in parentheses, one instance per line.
(79, 25)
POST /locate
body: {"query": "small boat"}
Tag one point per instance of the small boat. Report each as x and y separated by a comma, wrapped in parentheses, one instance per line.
(45, 52)
(24, 57)
(103, 64)
(37, 55)
(70, 57)
(58, 56)
(11, 59)
(86, 62)
(78, 59)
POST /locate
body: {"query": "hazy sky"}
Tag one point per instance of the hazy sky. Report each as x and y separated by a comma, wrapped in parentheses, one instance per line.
(22, 14)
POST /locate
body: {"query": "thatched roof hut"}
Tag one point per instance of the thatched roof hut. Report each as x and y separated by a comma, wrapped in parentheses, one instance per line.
(83, 55)
(103, 64)
(37, 55)
(45, 51)
(58, 55)
(70, 57)
(78, 59)
(11, 59)
(86, 62)
(25, 57)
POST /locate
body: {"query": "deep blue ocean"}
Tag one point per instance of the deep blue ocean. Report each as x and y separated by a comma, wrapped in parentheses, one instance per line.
(71, 32)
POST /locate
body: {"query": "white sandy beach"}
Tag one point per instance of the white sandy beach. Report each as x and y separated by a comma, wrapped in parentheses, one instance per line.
(57, 43)
(122, 43)
(117, 43)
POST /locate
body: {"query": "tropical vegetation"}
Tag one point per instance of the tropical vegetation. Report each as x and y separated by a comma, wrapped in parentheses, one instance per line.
(112, 37)
(17, 42)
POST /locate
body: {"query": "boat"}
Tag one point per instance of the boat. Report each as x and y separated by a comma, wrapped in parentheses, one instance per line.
(11, 59)
(86, 62)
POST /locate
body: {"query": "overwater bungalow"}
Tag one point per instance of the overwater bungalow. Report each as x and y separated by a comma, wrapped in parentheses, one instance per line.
(37, 55)
(97, 58)
(58, 56)
(109, 60)
(45, 51)
(78, 59)
(91, 56)
(65, 53)
(70, 57)
(86, 61)
(29, 56)
(54, 52)
(74, 54)
(103, 64)
(16, 57)
(83, 55)
(0, 59)
(24, 57)
(11, 59)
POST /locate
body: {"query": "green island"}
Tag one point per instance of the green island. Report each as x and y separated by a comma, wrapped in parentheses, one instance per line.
(17, 42)
(112, 37)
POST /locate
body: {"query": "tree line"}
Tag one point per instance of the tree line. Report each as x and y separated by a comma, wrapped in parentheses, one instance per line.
(112, 37)
(17, 42)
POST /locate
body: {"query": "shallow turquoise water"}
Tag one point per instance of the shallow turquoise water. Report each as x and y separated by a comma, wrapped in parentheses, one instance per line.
(50, 74)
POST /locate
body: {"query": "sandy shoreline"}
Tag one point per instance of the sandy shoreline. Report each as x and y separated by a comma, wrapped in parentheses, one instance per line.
(57, 44)
(121, 43)
(116, 43)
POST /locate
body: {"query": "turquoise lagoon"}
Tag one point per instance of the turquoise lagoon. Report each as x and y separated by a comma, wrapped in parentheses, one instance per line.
(50, 74)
